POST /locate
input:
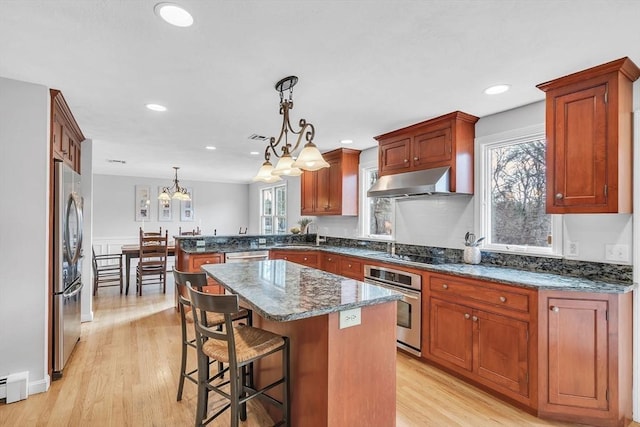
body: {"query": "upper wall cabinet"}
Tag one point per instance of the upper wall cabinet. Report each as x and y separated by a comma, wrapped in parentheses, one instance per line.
(443, 141)
(589, 139)
(66, 135)
(333, 190)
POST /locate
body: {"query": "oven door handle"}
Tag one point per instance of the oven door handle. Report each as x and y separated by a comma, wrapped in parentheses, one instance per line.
(248, 257)
(393, 288)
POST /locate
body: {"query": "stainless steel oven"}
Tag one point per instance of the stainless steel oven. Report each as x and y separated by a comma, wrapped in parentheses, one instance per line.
(409, 307)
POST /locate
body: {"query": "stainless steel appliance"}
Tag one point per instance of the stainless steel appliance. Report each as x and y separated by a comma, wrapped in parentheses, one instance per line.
(247, 256)
(409, 307)
(67, 258)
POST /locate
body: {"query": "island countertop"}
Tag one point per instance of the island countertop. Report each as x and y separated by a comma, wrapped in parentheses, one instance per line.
(281, 291)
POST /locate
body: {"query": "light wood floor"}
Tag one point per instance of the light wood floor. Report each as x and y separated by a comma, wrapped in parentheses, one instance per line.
(124, 372)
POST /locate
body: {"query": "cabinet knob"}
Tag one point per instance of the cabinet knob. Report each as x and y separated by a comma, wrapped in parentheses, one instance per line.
(415, 159)
(406, 160)
(559, 196)
(349, 265)
(445, 286)
(466, 315)
(503, 299)
(474, 318)
(555, 309)
(286, 258)
(305, 258)
(330, 259)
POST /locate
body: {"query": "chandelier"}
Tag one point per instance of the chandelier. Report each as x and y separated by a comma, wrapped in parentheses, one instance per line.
(175, 191)
(309, 158)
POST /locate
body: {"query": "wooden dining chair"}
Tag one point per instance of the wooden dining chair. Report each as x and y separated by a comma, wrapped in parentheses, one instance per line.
(151, 233)
(152, 264)
(107, 270)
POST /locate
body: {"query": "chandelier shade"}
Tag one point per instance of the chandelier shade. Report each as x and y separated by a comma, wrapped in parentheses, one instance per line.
(175, 191)
(309, 159)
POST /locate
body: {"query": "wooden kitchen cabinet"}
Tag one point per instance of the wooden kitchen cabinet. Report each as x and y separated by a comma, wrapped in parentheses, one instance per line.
(585, 357)
(351, 267)
(194, 262)
(333, 190)
(589, 139)
(443, 141)
(330, 263)
(482, 331)
(307, 258)
(65, 135)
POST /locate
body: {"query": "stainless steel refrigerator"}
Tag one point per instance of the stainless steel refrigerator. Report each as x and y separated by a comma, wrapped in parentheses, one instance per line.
(67, 259)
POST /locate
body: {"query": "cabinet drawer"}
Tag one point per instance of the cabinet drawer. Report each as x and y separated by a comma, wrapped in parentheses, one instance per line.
(481, 292)
(198, 261)
(304, 258)
(351, 268)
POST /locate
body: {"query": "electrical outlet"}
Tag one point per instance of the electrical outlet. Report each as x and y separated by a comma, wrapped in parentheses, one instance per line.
(262, 241)
(572, 248)
(349, 318)
(618, 253)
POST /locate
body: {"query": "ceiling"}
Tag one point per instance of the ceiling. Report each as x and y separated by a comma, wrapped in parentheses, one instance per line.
(365, 67)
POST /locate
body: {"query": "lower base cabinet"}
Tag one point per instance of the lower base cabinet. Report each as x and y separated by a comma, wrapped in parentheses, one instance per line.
(491, 349)
(585, 357)
(193, 263)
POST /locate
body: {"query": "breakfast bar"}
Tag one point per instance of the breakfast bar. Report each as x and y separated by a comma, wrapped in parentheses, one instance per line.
(342, 334)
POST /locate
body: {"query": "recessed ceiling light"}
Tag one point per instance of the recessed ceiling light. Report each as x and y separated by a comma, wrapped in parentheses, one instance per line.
(173, 14)
(156, 107)
(210, 147)
(254, 153)
(346, 141)
(494, 90)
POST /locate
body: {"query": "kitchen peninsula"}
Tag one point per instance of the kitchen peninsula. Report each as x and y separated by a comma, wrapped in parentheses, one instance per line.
(343, 371)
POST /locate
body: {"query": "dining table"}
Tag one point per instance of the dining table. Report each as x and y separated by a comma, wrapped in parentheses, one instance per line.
(133, 251)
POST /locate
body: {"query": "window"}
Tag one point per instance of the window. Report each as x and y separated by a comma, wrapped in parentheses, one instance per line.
(514, 197)
(273, 215)
(378, 211)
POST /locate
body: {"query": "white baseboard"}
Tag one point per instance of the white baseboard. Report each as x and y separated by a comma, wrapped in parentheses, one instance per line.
(87, 317)
(40, 386)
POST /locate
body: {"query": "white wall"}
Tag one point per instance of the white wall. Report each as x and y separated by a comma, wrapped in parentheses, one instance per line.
(24, 152)
(87, 231)
(220, 206)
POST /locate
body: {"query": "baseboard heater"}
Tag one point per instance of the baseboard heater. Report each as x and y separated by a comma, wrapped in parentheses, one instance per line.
(14, 387)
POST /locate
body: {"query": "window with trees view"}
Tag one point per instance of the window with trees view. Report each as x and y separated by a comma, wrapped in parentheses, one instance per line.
(378, 219)
(514, 196)
(273, 215)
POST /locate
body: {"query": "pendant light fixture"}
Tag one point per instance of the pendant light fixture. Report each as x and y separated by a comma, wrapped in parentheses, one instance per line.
(175, 191)
(309, 159)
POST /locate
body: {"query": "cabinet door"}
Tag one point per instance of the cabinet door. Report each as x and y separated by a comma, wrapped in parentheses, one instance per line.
(307, 192)
(334, 187)
(395, 155)
(577, 353)
(322, 184)
(432, 149)
(501, 351)
(577, 153)
(451, 333)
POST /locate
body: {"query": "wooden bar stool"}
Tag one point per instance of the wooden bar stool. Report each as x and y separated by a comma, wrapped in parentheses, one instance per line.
(198, 281)
(238, 346)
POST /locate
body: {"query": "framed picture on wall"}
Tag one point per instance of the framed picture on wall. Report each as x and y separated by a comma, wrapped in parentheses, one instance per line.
(143, 203)
(186, 208)
(165, 211)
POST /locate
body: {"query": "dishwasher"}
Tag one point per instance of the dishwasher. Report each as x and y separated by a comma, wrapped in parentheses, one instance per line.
(247, 256)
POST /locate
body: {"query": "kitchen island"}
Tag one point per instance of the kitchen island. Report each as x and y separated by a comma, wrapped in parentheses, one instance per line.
(339, 376)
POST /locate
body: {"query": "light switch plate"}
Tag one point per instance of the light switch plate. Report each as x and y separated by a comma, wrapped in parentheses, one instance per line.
(199, 243)
(572, 249)
(349, 318)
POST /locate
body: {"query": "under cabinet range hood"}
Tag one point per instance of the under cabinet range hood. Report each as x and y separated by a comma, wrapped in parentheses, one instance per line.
(417, 183)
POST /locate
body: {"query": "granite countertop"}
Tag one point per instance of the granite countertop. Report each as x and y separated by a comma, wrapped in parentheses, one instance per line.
(510, 276)
(280, 290)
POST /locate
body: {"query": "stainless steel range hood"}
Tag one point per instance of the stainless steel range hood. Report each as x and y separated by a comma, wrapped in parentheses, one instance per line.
(418, 183)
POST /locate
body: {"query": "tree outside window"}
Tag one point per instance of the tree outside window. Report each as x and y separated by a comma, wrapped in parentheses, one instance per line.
(515, 199)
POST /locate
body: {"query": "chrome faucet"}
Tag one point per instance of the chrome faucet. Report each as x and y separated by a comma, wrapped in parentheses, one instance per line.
(313, 226)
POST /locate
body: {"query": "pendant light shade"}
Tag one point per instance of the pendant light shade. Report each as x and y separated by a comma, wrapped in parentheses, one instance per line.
(285, 167)
(310, 158)
(265, 175)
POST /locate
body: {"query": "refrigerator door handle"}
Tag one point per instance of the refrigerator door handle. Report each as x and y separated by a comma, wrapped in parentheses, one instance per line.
(73, 289)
